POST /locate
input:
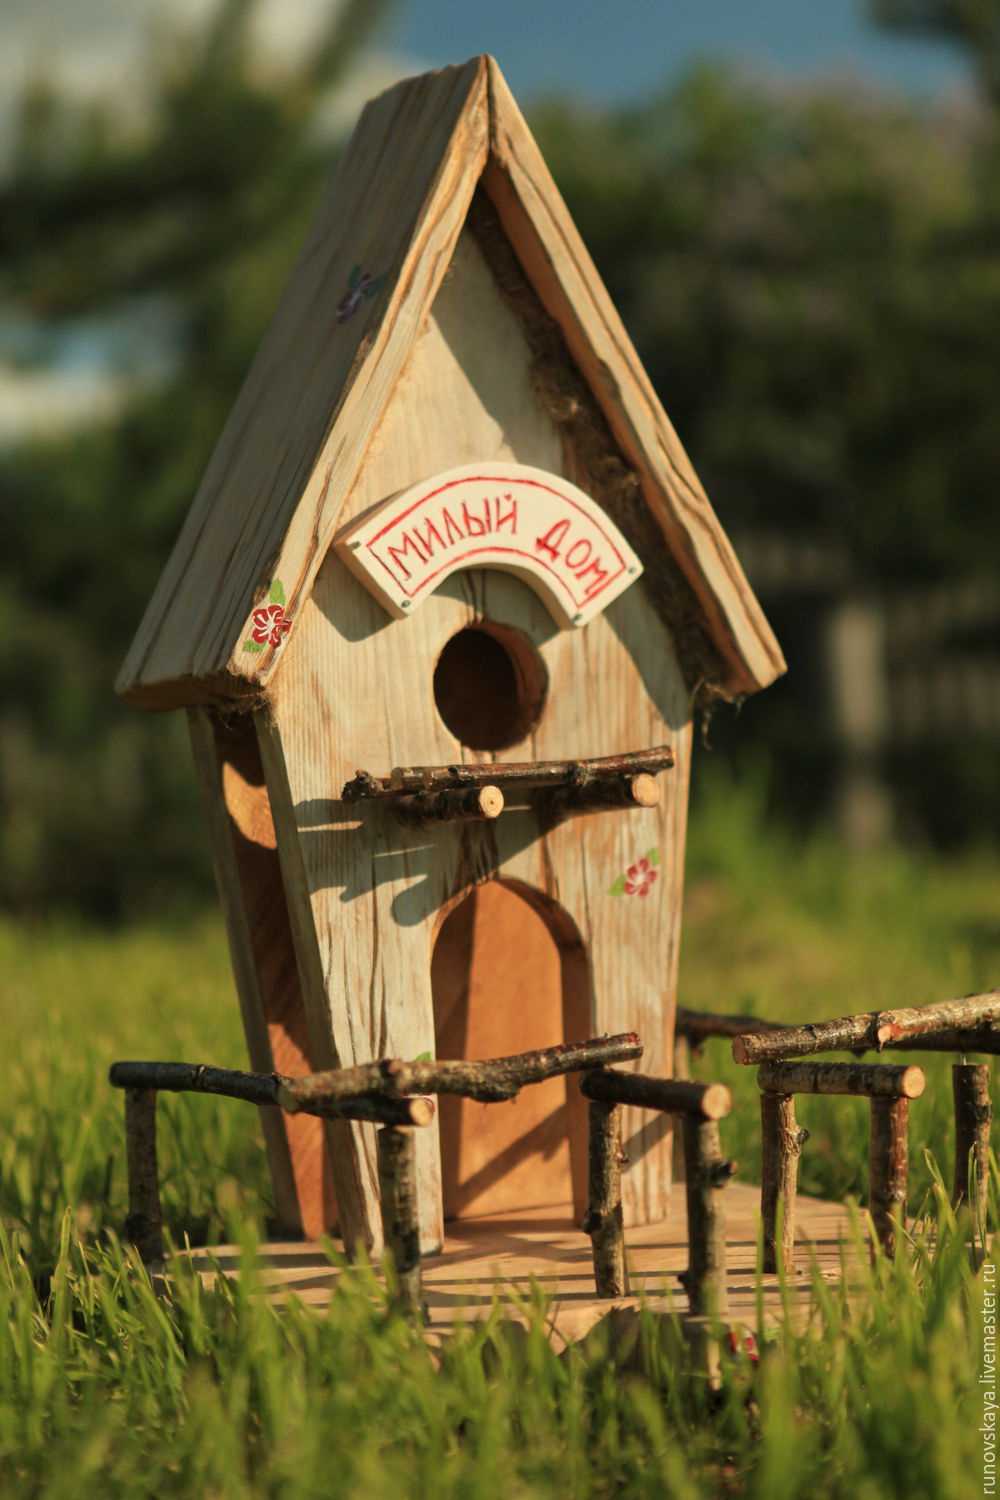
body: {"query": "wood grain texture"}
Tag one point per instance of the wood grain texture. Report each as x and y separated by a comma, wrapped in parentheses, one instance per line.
(299, 431)
(248, 876)
(354, 688)
(317, 392)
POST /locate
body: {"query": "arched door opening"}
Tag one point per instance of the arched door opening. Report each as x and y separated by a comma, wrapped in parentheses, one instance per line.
(509, 974)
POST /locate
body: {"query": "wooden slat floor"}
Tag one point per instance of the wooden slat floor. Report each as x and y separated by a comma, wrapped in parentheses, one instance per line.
(500, 1257)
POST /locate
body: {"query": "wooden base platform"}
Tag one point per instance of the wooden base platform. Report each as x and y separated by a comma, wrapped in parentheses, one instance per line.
(499, 1257)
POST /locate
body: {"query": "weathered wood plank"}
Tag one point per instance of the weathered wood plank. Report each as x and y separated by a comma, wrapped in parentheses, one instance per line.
(248, 877)
(563, 274)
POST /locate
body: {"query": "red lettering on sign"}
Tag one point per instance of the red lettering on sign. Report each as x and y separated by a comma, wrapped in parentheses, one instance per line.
(409, 544)
(501, 518)
(600, 579)
(430, 530)
(474, 525)
(575, 558)
(548, 542)
(451, 527)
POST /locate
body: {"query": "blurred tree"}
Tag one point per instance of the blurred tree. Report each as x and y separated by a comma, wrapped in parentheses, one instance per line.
(192, 216)
(972, 24)
(808, 275)
(811, 279)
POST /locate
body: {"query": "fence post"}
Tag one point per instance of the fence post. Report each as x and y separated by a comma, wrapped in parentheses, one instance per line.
(781, 1142)
(603, 1221)
(144, 1225)
(397, 1181)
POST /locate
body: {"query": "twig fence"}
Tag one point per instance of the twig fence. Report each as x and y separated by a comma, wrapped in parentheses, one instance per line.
(396, 1095)
(969, 1024)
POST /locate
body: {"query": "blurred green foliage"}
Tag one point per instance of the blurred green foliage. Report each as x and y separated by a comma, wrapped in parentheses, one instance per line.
(810, 276)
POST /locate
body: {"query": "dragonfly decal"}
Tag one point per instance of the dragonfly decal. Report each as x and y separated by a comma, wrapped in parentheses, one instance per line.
(361, 286)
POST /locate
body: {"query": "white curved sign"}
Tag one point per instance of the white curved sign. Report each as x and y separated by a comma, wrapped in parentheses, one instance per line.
(492, 515)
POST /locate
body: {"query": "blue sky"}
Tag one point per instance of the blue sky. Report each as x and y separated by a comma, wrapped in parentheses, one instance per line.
(624, 49)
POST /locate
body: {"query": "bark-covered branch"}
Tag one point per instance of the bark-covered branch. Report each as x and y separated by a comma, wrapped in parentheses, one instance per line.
(267, 1089)
(471, 805)
(397, 1181)
(781, 1146)
(883, 1080)
(698, 1026)
(973, 1115)
(525, 775)
(888, 1168)
(598, 795)
(144, 1225)
(603, 1220)
(706, 1172)
(488, 1081)
(872, 1030)
(706, 1101)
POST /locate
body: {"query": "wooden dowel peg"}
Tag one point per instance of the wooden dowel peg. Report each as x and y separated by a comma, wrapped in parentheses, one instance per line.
(782, 1141)
(471, 805)
(706, 1173)
(888, 1167)
(144, 1225)
(973, 1115)
(603, 1221)
(597, 795)
(397, 1181)
(870, 1080)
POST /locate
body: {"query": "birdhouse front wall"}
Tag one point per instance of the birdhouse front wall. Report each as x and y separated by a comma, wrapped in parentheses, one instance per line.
(355, 688)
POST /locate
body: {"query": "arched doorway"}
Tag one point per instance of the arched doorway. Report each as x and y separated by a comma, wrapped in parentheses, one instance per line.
(509, 974)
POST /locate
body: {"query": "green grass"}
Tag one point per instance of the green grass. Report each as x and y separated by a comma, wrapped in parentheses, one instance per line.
(107, 1389)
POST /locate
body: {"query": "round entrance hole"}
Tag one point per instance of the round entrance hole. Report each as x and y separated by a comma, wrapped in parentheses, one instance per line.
(489, 686)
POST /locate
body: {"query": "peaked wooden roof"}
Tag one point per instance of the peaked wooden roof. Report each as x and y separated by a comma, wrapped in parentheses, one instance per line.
(270, 500)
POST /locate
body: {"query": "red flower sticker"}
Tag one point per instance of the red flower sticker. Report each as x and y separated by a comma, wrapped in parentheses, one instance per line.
(269, 624)
(640, 877)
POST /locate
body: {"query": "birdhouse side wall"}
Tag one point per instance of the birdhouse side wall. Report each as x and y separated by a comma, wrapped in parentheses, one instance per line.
(356, 689)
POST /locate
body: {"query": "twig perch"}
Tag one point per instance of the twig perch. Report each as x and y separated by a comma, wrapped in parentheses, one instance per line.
(523, 775)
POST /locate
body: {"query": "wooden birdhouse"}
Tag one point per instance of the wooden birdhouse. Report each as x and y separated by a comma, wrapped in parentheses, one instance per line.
(442, 611)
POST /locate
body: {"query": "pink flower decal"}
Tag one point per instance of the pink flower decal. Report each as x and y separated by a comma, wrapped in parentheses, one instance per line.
(640, 877)
(270, 625)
